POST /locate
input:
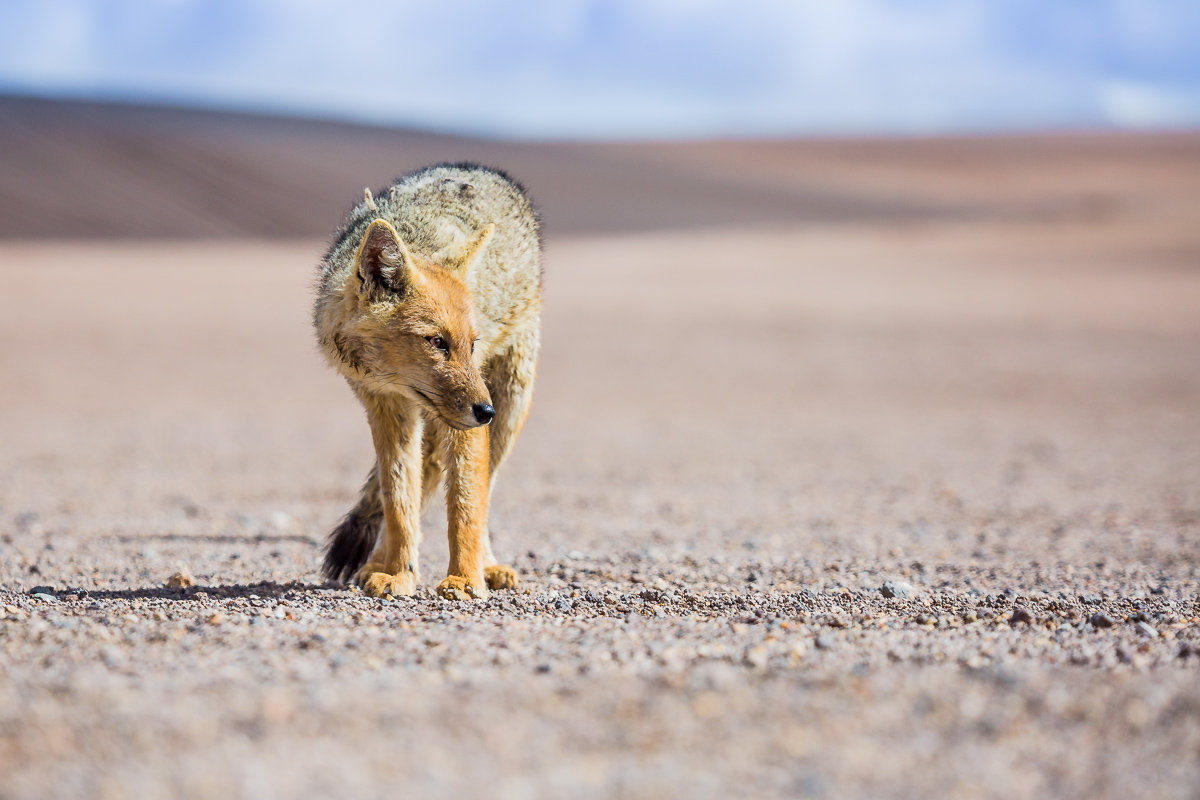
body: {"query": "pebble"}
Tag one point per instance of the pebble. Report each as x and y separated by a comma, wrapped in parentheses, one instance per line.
(1020, 614)
(1101, 620)
(181, 580)
(280, 520)
(824, 642)
(1146, 630)
(45, 597)
(757, 656)
(113, 657)
(42, 590)
(901, 590)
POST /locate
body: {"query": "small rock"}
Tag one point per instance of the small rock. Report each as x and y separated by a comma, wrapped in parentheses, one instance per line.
(1020, 614)
(824, 642)
(1146, 630)
(901, 590)
(42, 590)
(575, 555)
(1101, 620)
(45, 598)
(113, 658)
(926, 619)
(216, 619)
(757, 656)
(970, 616)
(181, 580)
(1187, 650)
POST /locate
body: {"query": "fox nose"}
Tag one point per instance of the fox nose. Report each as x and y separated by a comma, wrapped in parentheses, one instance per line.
(483, 413)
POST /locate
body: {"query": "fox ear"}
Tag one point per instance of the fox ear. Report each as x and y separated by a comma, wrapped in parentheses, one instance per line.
(473, 250)
(382, 259)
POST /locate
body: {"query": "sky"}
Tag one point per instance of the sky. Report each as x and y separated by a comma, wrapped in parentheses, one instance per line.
(628, 69)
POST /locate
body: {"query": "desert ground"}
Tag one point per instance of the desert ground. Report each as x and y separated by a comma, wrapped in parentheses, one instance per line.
(966, 369)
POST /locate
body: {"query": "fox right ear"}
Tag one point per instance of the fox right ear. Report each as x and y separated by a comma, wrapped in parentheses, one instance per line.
(382, 260)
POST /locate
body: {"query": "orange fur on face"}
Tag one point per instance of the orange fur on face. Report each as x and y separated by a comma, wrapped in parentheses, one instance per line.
(401, 307)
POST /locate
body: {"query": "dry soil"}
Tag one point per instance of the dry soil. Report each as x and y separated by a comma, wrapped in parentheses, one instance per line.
(739, 436)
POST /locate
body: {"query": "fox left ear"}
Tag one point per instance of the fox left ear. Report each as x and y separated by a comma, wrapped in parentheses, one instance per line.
(382, 259)
(474, 249)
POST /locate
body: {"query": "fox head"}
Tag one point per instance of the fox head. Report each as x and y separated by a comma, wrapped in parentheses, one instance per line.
(405, 326)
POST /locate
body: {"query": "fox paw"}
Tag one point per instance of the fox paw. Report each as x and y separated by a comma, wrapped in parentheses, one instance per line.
(376, 583)
(501, 576)
(455, 587)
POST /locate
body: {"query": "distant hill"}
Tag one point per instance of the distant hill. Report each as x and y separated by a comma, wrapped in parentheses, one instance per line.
(72, 169)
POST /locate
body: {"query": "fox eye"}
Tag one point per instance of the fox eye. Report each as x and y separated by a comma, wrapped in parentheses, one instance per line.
(439, 343)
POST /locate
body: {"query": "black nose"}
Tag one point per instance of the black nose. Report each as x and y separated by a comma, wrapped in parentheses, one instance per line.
(483, 413)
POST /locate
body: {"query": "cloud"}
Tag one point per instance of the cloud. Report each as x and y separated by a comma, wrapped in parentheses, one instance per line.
(1137, 106)
(624, 68)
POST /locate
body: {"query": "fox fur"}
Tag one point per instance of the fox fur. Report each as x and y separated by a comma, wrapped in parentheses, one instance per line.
(429, 305)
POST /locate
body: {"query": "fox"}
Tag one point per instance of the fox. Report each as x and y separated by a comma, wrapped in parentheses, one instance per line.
(428, 303)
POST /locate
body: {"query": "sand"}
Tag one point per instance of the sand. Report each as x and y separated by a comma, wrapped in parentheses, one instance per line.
(740, 433)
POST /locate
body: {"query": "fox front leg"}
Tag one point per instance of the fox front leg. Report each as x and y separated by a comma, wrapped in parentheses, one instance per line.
(393, 568)
(467, 503)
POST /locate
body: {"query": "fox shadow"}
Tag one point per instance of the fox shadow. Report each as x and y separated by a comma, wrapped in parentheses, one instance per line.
(262, 589)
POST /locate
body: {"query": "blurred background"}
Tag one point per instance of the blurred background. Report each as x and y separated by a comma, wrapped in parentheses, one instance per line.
(188, 117)
(868, 278)
(837, 292)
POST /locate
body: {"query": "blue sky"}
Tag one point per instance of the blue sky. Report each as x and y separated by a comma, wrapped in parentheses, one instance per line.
(629, 68)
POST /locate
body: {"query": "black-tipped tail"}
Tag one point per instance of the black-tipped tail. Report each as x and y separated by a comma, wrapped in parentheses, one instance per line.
(353, 540)
(350, 546)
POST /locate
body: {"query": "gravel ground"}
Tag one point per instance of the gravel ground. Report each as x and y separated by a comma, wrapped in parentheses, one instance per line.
(996, 422)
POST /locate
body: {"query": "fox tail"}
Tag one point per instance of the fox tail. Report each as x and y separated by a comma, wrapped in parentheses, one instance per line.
(353, 540)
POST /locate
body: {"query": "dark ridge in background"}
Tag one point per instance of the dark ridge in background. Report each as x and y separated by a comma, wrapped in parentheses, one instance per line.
(77, 170)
